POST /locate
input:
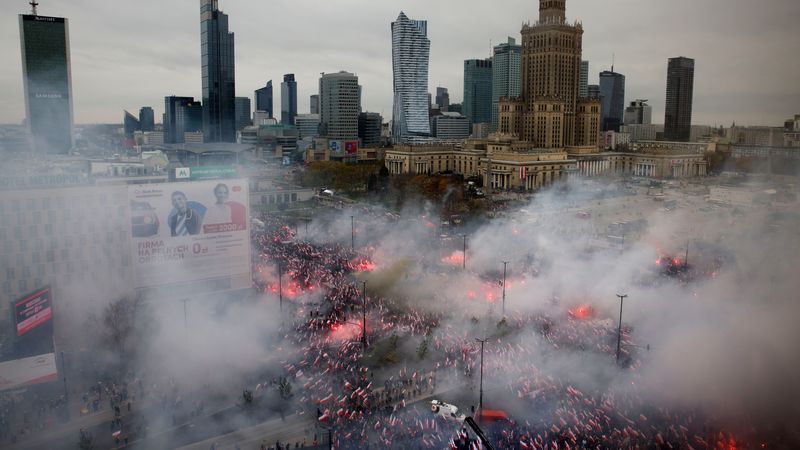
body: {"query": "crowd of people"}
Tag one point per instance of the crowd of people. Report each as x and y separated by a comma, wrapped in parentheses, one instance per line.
(551, 411)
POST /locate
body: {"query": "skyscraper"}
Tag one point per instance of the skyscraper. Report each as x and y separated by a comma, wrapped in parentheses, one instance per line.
(181, 115)
(410, 53)
(147, 118)
(678, 109)
(130, 125)
(242, 112)
(477, 106)
(442, 98)
(264, 99)
(47, 80)
(338, 95)
(549, 113)
(288, 99)
(314, 104)
(583, 90)
(219, 81)
(505, 74)
(612, 89)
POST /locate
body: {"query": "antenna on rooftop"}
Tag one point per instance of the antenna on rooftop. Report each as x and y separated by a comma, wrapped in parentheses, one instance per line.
(612, 62)
(33, 4)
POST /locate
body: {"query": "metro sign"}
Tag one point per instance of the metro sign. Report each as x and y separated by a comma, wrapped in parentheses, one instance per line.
(183, 173)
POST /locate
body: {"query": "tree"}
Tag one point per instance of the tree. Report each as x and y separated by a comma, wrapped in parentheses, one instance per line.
(422, 350)
(86, 440)
(285, 389)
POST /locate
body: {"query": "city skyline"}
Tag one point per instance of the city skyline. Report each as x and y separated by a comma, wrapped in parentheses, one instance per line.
(745, 93)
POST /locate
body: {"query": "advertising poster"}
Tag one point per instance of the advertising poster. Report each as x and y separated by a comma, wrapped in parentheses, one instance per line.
(32, 311)
(189, 232)
(22, 372)
(351, 147)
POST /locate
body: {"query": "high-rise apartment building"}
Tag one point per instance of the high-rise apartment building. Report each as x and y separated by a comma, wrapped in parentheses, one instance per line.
(549, 113)
(314, 104)
(505, 75)
(338, 96)
(612, 89)
(442, 98)
(638, 113)
(243, 117)
(218, 74)
(593, 91)
(583, 90)
(477, 106)
(264, 99)
(288, 99)
(410, 54)
(47, 81)
(181, 115)
(678, 108)
(147, 118)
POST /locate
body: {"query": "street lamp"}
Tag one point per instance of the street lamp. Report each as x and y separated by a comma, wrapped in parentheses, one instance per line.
(480, 399)
(353, 233)
(280, 285)
(622, 298)
(464, 259)
(364, 317)
(505, 264)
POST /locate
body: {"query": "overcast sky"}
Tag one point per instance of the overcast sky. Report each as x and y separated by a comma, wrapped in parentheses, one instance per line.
(130, 53)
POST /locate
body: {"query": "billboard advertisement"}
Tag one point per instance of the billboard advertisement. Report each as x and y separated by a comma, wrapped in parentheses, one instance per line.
(336, 147)
(351, 147)
(32, 311)
(29, 354)
(183, 233)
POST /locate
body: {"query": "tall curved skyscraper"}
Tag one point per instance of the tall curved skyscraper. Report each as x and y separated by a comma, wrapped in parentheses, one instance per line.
(410, 53)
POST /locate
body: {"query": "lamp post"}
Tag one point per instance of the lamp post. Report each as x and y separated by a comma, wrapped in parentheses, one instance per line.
(364, 317)
(480, 398)
(280, 286)
(505, 264)
(353, 233)
(622, 298)
(464, 253)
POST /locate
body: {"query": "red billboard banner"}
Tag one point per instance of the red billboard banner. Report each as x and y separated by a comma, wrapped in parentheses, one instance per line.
(351, 147)
(33, 311)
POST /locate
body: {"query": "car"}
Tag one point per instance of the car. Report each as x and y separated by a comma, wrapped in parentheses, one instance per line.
(447, 411)
(144, 220)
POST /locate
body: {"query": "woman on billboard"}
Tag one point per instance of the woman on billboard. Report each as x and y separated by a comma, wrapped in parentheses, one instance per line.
(224, 215)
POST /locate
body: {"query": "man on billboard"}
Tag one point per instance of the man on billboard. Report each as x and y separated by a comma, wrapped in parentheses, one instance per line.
(224, 215)
(183, 220)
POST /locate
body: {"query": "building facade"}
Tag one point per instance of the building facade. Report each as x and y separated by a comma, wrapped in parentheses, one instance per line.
(369, 129)
(612, 90)
(638, 113)
(338, 95)
(147, 119)
(47, 82)
(181, 115)
(130, 125)
(678, 109)
(442, 98)
(218, 74)
(264, 98)
(307, 125)
(410, 55)
(549, 113)
(505, 75)
(450, 126)
(477, 105)
(243, 117)
(288, 99)
(314, 104)
(583, 89)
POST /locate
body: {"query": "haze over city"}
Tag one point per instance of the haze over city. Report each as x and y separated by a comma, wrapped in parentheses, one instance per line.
(533, 225)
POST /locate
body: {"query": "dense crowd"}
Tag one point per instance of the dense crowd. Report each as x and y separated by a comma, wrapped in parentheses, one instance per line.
(340, 387)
